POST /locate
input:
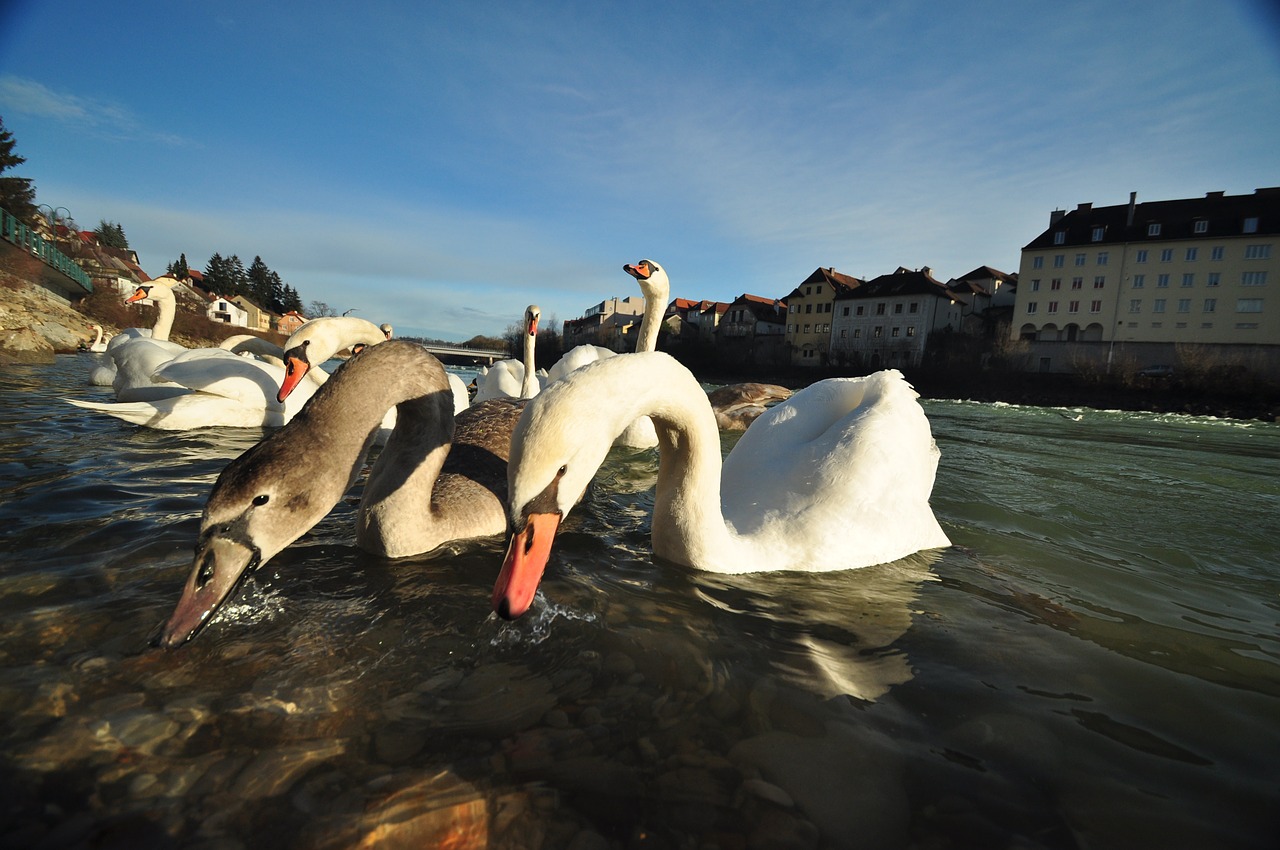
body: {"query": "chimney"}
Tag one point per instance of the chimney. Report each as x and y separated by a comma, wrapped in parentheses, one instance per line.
(1085, 207)
(1214, 194)
(1133, 202)
(1056, 216)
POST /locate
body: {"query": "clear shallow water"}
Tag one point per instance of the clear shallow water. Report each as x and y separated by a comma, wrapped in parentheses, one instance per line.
(1096, 663)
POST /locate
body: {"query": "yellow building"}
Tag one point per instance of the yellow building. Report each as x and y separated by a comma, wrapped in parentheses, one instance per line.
(1153, 279)
(809, 309)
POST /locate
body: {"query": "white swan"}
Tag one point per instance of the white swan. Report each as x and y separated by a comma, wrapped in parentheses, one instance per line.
(655, 286)
(514, 378)
(575, 358)
(836, 477)
(439, 478)
(99, 344)
(137, 358)
(103, 374)
(216, 388)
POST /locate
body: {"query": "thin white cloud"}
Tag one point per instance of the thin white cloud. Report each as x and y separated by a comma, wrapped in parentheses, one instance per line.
(28, 97)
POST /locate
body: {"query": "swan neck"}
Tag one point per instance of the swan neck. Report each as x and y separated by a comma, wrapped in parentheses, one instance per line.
(166, 305)
(530, 380)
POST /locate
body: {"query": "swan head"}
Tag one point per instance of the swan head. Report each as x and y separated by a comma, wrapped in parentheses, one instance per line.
(555, 452)
(319, 339)
(532, 315)
(263, 501)
(653, 280)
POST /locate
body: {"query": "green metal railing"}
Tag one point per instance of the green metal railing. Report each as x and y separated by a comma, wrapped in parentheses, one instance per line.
(24, 237)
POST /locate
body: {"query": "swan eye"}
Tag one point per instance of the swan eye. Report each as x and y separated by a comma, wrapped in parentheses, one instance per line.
(261, 499)
(562, 471)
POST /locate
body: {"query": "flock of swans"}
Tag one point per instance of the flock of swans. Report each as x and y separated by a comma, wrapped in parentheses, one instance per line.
(836, 476)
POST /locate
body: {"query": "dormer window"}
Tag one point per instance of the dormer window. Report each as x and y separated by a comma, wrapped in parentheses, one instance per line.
(1153, 229)
(1098, 233)
(1060, 237)
(1202, 225)
(1250, 225)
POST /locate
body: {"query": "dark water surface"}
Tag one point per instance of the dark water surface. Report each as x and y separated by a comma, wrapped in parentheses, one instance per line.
(1093, 665)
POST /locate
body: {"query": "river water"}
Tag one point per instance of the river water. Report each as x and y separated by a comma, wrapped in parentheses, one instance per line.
(1094, 664)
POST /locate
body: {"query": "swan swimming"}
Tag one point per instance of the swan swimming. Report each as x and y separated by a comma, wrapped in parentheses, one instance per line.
(836, 477)
(440, 478)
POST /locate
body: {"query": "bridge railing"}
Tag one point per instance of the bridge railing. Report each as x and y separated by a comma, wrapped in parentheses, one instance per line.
(13, 230)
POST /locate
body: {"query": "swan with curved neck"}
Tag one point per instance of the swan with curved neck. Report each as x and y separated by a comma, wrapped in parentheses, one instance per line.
(320, 339)
(98, 345)
(137, 358)
(437, 479)
(515, 378)
(836, 477)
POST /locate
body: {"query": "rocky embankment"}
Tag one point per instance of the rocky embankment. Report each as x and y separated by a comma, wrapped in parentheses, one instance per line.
(35, 324)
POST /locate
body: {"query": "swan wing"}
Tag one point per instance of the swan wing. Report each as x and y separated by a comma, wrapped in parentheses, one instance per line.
(849, 465)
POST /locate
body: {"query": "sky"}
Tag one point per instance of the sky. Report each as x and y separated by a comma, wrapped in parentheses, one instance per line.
(440, 166)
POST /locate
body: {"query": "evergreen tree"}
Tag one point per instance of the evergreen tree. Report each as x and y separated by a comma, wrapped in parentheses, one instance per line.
(111, 234)
(179, 269)
(217, 276)
(17, 194)
(259, 284)
(290, 300)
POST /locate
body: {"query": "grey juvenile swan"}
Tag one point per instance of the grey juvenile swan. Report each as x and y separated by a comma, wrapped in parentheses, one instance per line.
(438, 479)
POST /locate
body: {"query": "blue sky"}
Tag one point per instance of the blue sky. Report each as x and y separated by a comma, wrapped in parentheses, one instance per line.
(442, 165)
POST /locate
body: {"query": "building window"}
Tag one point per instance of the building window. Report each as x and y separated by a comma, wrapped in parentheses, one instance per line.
(1246, 326)
(1059, 260)
(1099, 281)
(844, 333)
(1250, 225)
(1210, 304)
(1079, 259)
(897, 308)
(1189, 279)
(1158, 306)
(857, 333)
(1031, 307)
(1095, 306)
(844, 311)
(1060, 237)
(1077, 283)
(1037, 262)
(1184, 305)
(880, 309)
(1162, 281)
(913, 307)
(1248, 305)
(1153, 229)
(862, 310)
(911, 331)
(878, 332)
(1035, 284)
(791, 329)
(808, 308)
(1053, 307)
(826, 328)
(1139, 281)
(1166, 255)
(1217, 253)
(1253, 279)
(1073, 307)
(1103, 256)
(794, 308)
(1135, 305)
(1055, 284)
(1202, 226)
(1098, 233)
(1257, 252)
(1191, 253)
(806, 328)
(1214, 278)
(894, 331)
(1141, 256)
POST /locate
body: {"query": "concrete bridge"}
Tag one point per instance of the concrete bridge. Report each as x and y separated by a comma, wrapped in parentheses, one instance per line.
(481, 356)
